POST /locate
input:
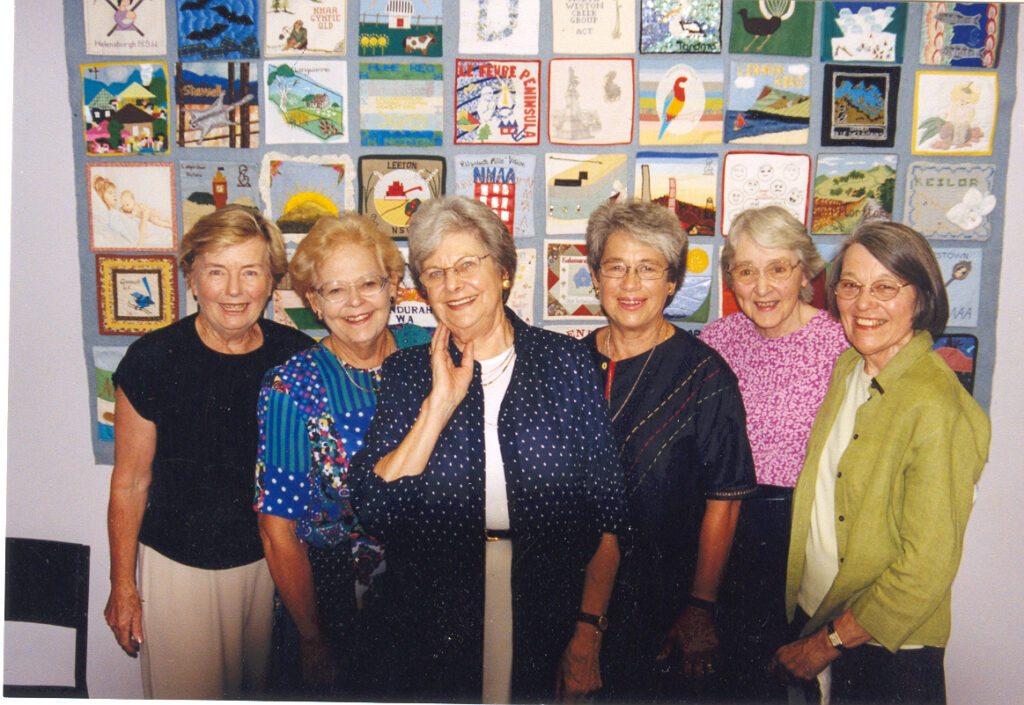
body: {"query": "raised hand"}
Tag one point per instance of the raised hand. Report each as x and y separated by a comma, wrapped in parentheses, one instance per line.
(450, 382)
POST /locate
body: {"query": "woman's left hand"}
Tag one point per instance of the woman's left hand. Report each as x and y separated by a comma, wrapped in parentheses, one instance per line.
(693, 641)
(804, 658)
(579, 672)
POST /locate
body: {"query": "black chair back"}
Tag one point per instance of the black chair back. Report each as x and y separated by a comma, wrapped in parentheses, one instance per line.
(48, 583)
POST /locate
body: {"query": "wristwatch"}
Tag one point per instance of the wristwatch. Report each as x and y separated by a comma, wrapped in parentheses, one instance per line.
(598, 620)
(833, 636)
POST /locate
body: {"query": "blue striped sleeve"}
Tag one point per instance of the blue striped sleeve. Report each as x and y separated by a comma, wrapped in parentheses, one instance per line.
(283, 466)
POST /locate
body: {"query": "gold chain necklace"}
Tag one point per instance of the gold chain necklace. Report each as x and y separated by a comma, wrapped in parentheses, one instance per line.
(373, 373)
(608, 353)
(510, 356)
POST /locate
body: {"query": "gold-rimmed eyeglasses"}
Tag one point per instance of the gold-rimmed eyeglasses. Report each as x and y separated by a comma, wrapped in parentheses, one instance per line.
(337, 290)
(847, 289)
(620, 270)
(777, 271)
(467, 266)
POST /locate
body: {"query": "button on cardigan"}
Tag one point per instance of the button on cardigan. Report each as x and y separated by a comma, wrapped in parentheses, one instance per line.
(902, 503)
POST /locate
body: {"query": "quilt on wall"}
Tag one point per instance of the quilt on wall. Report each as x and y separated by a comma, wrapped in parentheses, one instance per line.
(543, 111)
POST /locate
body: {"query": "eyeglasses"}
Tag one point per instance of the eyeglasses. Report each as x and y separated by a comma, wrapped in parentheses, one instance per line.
(777, 272)
(619, 270)
(468, 266)
(337, 290)
(847, 289)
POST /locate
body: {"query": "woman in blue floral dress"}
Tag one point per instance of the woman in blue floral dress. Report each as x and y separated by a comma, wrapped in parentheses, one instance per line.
(313, 412)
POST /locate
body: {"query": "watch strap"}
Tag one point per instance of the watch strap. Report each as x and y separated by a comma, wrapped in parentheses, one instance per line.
(708, 605)
(833, 636)
(598, 620)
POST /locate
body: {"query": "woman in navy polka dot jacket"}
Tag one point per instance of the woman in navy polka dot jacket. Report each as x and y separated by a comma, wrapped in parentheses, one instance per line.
(490, 472)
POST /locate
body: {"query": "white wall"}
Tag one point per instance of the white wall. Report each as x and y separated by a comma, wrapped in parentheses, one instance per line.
(984, 656)
(54, 490)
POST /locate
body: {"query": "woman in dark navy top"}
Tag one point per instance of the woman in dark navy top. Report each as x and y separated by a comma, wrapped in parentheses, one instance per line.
(681, 433)
(496, 434)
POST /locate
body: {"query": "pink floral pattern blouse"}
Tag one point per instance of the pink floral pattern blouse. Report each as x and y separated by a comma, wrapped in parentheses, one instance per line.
(782, 381)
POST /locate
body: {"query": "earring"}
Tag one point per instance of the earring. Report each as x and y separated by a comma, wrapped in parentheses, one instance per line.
(391, 301)
(506, 284)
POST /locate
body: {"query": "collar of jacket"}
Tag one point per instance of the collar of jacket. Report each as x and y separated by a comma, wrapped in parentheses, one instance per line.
(919, 345)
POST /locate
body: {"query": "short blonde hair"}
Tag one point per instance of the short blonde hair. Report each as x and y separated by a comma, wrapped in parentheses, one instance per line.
(774, 228)
(232, 225)
(331, 232)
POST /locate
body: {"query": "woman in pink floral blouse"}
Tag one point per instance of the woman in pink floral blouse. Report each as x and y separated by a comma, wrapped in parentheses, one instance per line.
(782, 350)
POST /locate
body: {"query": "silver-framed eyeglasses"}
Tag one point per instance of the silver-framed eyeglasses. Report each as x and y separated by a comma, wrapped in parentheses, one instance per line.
(884, 290)
(467, 266)
(337, 290)
(777, 271)
(620, 270)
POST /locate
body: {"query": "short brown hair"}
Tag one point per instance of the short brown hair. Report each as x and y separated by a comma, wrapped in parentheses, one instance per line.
(329, 233)
(908, 255)
(232, 225)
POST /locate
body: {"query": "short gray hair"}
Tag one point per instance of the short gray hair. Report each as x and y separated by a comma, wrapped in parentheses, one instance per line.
(774, 228)
(438, 217)
(650, 223)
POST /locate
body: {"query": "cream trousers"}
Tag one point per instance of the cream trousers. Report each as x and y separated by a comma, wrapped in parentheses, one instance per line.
(206, 632)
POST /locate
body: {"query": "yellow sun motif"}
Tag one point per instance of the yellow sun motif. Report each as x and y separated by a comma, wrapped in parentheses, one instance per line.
(304, 197)
(697, 261)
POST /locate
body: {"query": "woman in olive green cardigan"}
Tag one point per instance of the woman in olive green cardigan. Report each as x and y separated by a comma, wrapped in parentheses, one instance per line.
(882, 502)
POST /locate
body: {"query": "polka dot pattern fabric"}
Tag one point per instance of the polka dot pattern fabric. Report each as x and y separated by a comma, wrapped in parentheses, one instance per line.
(564, 489)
